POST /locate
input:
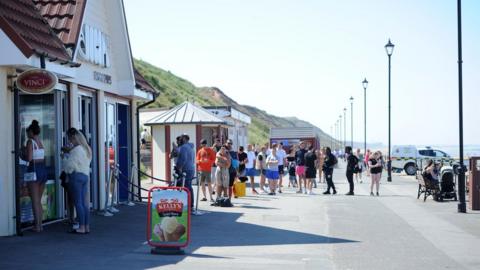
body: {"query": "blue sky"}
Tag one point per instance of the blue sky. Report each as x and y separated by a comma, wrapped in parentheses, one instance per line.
(306, 58)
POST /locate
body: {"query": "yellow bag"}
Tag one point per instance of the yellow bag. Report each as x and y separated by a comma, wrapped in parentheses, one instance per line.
(240, 189)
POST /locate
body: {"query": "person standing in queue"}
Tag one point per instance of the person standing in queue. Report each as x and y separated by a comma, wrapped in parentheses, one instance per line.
(77, 166)
(215, 147)
(300, 167)
(375, 165)
(281, 155)
(310, 169)
(36, 174)
(186, 165)
(261, 167)
(352, 167)
(205, 159)
(222, 176)
(250, 167)
(328, 165)
(272, 170)
(233, 167)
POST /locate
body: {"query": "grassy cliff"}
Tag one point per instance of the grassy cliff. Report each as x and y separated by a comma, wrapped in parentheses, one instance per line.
(174, 90)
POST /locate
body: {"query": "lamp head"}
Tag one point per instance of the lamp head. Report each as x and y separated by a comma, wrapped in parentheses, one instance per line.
(365, 83)
(351, 99)
(389, 48)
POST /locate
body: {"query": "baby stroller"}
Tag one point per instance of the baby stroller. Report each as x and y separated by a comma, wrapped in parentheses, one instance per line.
(447, 184)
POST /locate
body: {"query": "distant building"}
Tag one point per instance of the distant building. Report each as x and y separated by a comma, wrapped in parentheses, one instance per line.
(185, 118)
(238, 131)
(291, 136)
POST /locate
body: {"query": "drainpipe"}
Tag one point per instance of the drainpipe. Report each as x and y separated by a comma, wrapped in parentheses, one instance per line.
(138, 141)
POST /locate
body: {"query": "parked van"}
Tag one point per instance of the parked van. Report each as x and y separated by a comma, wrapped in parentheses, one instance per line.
(409, 157)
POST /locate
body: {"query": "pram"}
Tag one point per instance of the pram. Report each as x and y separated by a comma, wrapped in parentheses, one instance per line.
(447, 184)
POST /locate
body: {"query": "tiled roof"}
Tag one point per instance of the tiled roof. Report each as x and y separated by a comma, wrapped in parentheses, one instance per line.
(24, 25)
(64, 16)
(142, 83)
(185, 113)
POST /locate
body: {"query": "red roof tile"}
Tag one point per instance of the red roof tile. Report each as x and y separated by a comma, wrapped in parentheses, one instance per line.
(24, 25)
(64, 16)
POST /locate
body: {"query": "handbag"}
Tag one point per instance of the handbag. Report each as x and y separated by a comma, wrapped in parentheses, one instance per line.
(31, 174)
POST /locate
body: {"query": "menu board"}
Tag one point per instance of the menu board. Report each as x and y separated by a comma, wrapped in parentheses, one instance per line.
(168, 217)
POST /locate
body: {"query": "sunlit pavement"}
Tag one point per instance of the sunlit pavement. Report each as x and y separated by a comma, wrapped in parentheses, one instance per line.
(287, 231)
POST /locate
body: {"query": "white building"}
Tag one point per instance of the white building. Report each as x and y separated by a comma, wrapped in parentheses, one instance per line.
(86, 45)
(238, 131)
(167, 125)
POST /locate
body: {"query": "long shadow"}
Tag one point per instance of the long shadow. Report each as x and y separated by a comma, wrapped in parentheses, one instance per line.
(118, 242)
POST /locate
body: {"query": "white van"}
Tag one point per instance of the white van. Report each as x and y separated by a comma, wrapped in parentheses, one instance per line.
(409, 157)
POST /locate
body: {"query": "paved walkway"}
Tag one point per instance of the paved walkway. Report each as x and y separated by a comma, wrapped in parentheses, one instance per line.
(288, 231)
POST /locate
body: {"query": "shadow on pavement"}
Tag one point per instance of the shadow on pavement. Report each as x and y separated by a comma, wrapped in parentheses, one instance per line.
(118, 242)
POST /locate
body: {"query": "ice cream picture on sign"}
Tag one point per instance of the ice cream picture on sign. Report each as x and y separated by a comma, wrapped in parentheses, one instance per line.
(169, 229)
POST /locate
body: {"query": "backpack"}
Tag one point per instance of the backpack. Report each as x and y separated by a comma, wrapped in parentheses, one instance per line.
(335, 160)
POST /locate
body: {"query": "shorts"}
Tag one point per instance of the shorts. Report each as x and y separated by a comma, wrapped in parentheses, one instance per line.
(261, 172)
(250, 172)
(272, 175)
(144, 141)
(280, 169)
(222, 177)
(310, 173)
(205, 177)
(292, 178)
(231, 178)
(300, 170)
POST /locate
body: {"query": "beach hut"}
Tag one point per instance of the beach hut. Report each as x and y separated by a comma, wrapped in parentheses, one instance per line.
(185, 118)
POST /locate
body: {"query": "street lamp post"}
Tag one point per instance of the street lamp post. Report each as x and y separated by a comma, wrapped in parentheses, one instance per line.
(345, 126)
(331, 136)
(462, 206)
(351, 122)
(389, 49)
(340, 139)
(365, 84)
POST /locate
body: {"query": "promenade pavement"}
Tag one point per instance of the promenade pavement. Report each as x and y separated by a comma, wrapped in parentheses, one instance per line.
(287, 231)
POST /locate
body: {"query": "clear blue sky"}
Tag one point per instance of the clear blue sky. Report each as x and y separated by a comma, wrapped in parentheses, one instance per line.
(305, 58)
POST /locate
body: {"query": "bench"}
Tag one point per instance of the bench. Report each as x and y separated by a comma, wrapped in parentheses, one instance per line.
(427, 188)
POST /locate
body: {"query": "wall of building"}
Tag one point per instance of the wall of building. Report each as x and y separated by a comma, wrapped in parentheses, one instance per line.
(7, 174)
(158, 152)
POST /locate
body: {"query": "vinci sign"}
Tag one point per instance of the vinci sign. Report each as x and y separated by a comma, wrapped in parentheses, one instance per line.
(36, 81)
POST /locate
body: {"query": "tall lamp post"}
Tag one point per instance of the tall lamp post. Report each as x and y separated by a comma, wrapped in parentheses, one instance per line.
(345, 126)
(341, 141)
(389, 49)
(365, 84)
(462, 206)
(351, 122)
(331, 137)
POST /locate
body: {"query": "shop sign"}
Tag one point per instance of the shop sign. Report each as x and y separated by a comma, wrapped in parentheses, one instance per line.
(168, 217)
(101, 77)
(36, 81)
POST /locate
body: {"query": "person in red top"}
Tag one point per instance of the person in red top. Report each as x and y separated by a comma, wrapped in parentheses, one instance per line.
(205, 160)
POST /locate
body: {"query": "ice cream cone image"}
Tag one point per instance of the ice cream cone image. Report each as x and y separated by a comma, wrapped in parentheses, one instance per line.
(172, 230)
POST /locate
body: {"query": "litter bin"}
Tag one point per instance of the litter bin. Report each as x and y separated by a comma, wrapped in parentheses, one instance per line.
(474, 183)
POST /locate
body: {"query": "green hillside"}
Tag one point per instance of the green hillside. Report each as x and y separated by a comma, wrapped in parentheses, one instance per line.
(175, 90)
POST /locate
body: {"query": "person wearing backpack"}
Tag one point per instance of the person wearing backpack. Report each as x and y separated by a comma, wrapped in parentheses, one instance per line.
(352, 167)
(328, 165)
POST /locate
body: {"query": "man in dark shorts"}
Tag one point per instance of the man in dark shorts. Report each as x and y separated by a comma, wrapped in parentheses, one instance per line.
(310, 169)
(328, 165)
(352, 164)
(232, 170)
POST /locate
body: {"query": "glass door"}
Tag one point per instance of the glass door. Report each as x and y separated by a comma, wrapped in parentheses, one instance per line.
(110, 149)
(42, 108)
(88, 127)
